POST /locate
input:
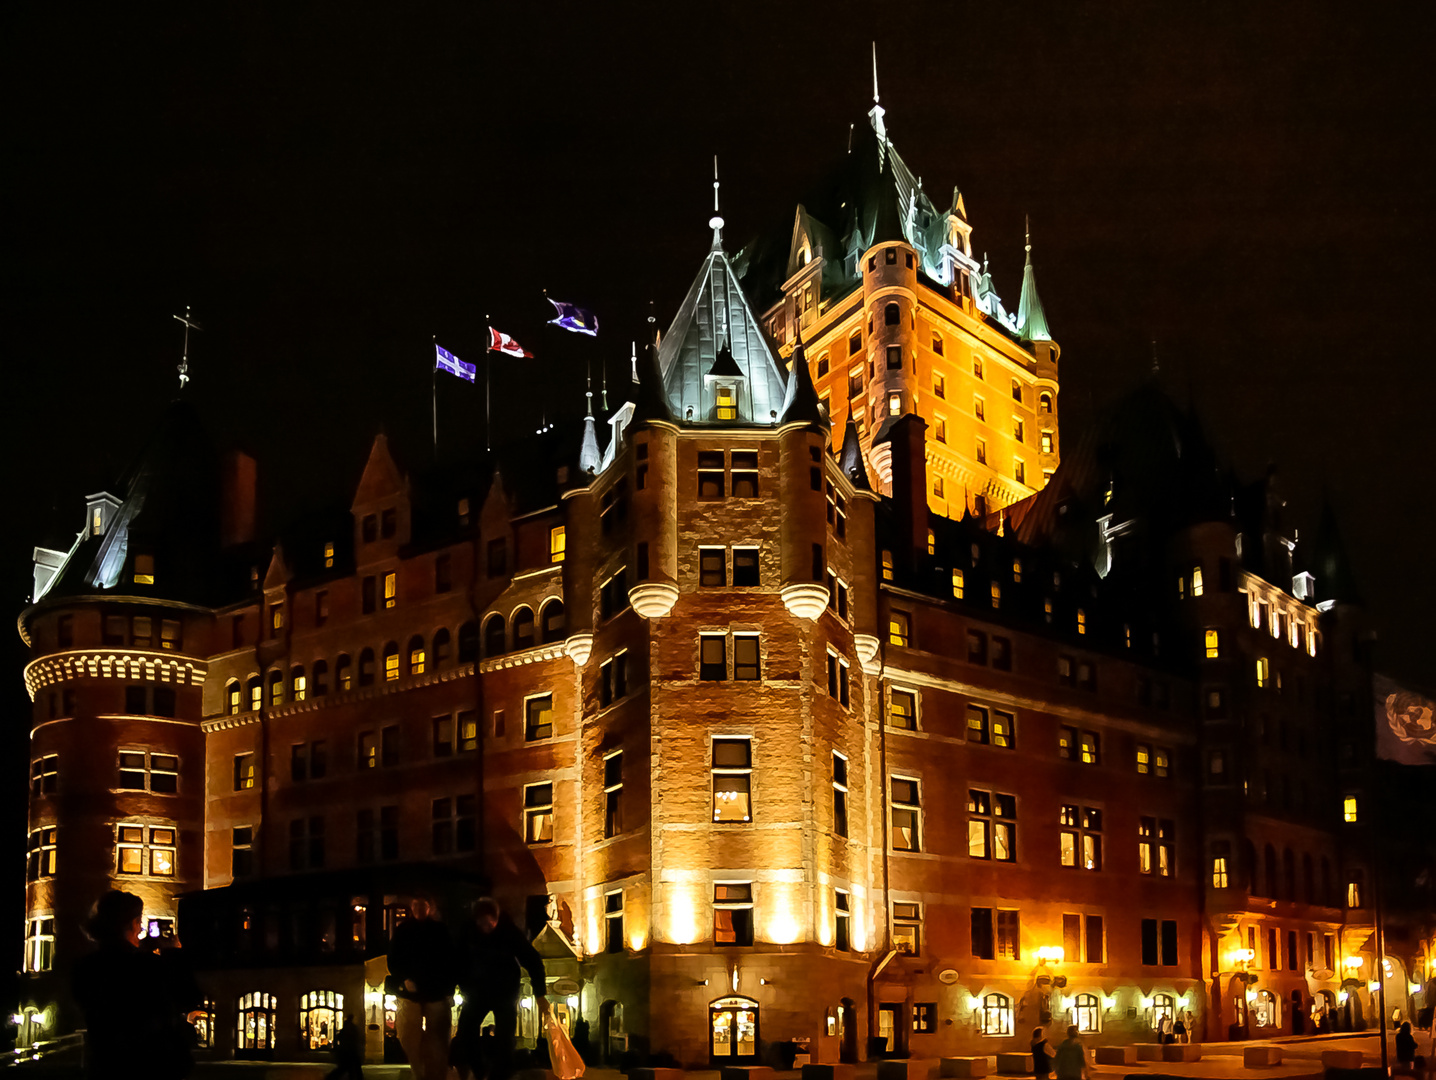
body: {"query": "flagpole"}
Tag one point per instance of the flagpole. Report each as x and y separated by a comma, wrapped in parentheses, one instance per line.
(434, 395)
(488, 438)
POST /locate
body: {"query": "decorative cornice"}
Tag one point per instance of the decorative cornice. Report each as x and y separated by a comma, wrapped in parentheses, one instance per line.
(129, 665)
(535, 655)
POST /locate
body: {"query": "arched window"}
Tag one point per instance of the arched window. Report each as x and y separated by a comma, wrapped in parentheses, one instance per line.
(255, 1026)
(1162, 1006)
(1016, 390)
(391, 662)
(233, 697)
(1269, 859)
(1308, 879)
(1044, 402)
(298, 684)
(321, 1014)
(1264, 1010)
(1288, 870)
(892, 315)
(276, 688)
(997, 1014)
(468, 642)
(523, 628)
(418, 658)
(319, 678)
(256, 693)
(494, 636)
(204, 1026)
(442, 646)
(555, 626)
(366, 667)
(343, 673)
(1087, 1014)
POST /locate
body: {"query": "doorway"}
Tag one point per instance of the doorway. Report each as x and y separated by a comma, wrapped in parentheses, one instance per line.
(889, 1029)
(733, 1031)
(848, 1032)
(1298, 1014)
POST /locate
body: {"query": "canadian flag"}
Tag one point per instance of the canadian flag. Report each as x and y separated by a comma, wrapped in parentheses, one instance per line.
(503, 343)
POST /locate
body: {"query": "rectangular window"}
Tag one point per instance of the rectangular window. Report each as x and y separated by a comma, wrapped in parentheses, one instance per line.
(613, 595)
(745, 474)
(497, 557)
(710, 474)
(391, 589)
(613, 794)
(982, 451)
(368, 757)
(142, 850)
(443, 727)
(979, 728)
(733, 913)
(713, 657)
(538, 718)
(1094, 940)
(613, 921)
(39, 944)
(983, 943)
(976, 647)
(902, 709)
(712, 567)
(991, 826)
(732, 780)
(906, 815)
(452, 825)
(1091, 746)
(538, 813)
(367, 590)
(1009, 936)
(40, 858)
(389, 745)
(243, 771)
(1156, 846)
(467, 729)
(1081, 837)
(557, 544)
(840, 794)
(44, 774)
(613, 679)
(900, 628)
(745, 567)
(907, 929)
(957, 584)
(1150, 951)
(842, 920)
(1001, 652)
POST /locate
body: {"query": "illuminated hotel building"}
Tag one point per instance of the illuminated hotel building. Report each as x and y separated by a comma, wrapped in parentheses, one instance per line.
(811, 702)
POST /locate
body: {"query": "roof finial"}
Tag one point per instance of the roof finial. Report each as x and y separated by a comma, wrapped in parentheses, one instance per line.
(876, 112)
(1156, 368)
(1027, 228)
(716, 221)
(183, 366)
(603, 373)
(634, 360)
(589, 392)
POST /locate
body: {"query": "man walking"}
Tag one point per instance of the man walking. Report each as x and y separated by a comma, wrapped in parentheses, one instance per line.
(1071, 1059)
(421, 962)
(494, 951)
(349, 1052)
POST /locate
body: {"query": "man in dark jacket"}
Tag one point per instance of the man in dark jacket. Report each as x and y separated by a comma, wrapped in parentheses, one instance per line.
(421, 962)
(135, 1001)
(493, 954)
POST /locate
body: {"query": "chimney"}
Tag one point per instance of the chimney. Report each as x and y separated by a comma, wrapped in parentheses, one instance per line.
(908, 438)
(238, 494)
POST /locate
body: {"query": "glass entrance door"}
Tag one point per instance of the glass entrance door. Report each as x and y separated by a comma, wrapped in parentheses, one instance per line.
(733, 1030)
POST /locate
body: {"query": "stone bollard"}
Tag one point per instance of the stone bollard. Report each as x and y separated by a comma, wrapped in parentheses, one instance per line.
(1015, 1064)
(821, 1071)
(1148, 1051)
(656, 1074)
(1261, 1057)
(962, 1068)
(1116, 1055)
(1182, 1052)
(911, 1069)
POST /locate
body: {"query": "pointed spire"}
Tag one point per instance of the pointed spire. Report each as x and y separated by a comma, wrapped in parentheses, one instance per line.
(634, 360)
(603, 375)
(1031, 319)
(650, 401)
(588, 456)
(875, 114)
(850, 460)
(716, 221)
(800, 401)
(887, 225)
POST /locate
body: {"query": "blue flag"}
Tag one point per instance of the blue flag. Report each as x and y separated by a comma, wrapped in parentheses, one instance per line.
(574, 318)
(444, 360)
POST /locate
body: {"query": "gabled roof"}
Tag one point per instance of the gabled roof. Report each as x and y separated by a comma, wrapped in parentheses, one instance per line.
(714, 314)
(382, 477)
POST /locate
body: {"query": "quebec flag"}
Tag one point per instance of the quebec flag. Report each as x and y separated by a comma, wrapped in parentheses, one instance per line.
(444, 360)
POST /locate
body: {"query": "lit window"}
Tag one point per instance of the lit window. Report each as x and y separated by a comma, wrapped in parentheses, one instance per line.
(391, 589)
(907, 929)
(982, 451)
(941, 431)
(1018, 429)
(727, 403)
(538, 813)
(329, 554)
(557, 543)
(40, 858)
(142, 850)
(979, 408)
(298, 685)
(1196, 581)
(417, 657)
(243, 771)
(977, 366)
(40, 943)
(1019, 471)
(1091, 748)
(902, 709)
(1144, 759)
(894, 404)
(733, 913)
(538, 718)
(1155, 846)
(1263, 671)
(1016, 571)
(1213, 639)
(939, 386)
(957, 583)
(996, 592)
(906, 814)
(939, 491)
(1220, 879)
(931, 538)
(996, 1014)
(1047, 442)
(991, 826)
(1081, 621)
(391, 663)
(887, 565)
(1348, 808)
(732, 780)
(144, 569)
(899, 628)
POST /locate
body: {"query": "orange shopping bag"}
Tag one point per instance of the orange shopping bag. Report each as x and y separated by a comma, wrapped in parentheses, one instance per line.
(564, 1060)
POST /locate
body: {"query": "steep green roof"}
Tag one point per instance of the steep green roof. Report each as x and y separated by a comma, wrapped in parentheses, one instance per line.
(1031, 319)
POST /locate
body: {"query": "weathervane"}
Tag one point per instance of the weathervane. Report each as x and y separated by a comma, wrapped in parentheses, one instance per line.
(189, 324)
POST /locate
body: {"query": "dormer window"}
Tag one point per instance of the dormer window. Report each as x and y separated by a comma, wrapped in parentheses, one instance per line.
(369, 528)
(804, 256)
(389, 524)
(727, 399)
(144, 570)
(463, 511)
(97, 521)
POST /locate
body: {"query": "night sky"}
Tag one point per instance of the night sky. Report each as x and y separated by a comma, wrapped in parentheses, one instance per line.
(330, 186)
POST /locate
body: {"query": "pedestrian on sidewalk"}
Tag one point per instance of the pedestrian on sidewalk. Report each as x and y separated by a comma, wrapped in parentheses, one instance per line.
(1071, 1057)
(421, 962)
(1181, 1031)
(1041, 1055)
(1405, 1044)
(493, 953)
(348, 1051)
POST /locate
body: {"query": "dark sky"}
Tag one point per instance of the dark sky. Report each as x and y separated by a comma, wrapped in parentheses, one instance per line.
(329, 186)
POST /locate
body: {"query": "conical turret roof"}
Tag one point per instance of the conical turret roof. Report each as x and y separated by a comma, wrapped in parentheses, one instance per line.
(1031, 319)
(801, 401)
